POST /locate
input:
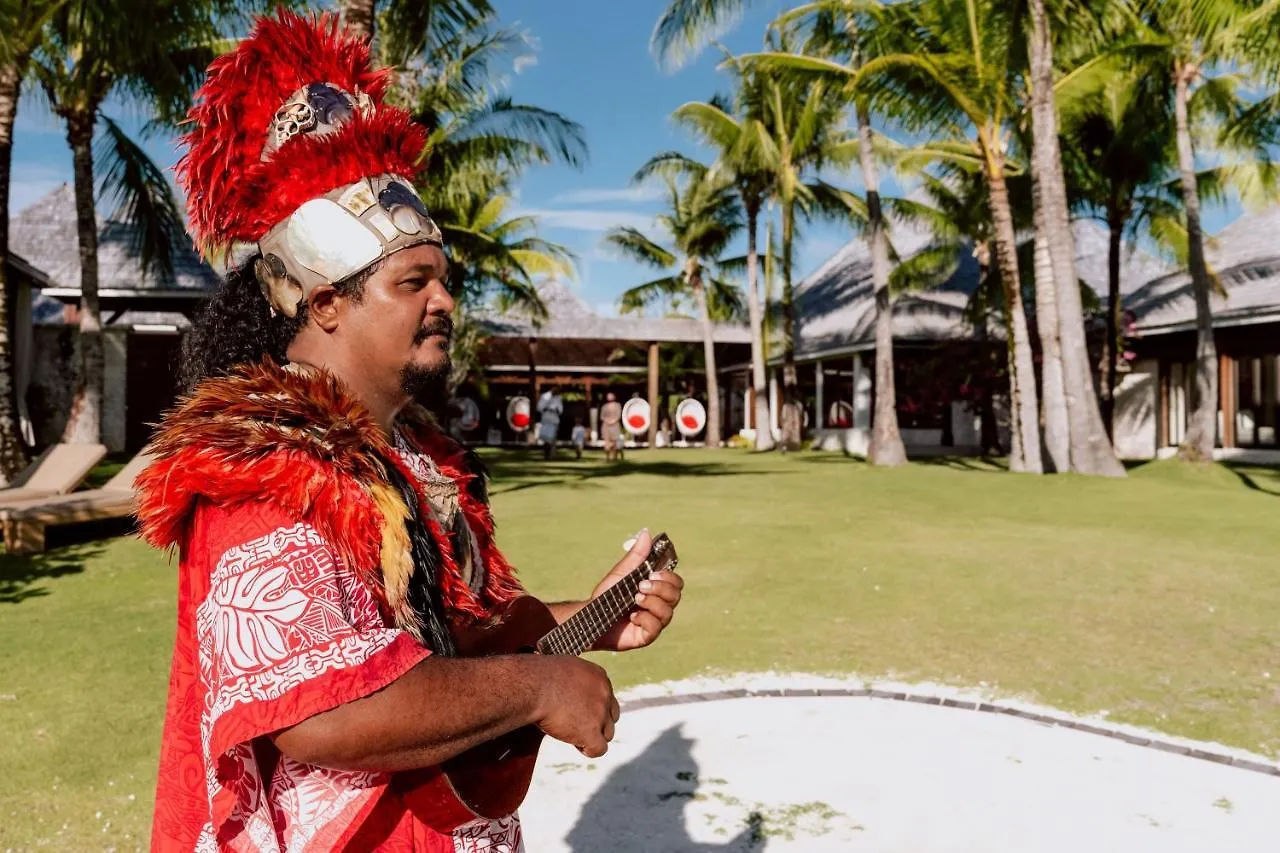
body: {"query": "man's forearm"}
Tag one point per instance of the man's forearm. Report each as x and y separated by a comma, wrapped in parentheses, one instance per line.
(440, 708)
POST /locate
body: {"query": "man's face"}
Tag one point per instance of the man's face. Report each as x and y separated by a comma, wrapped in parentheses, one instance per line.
(402, 324)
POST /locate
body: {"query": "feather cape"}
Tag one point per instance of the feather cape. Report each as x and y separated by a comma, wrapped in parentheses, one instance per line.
(302, 442)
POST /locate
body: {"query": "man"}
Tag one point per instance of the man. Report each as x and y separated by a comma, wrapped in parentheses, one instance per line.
(611, 427)
(550, 408)
(331, 539)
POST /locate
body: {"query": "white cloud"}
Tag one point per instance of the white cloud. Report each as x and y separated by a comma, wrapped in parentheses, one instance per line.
(588, 220)
(596, 195)
(524, 63)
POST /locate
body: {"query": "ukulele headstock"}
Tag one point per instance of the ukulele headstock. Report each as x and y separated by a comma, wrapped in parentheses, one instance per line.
(662, 555)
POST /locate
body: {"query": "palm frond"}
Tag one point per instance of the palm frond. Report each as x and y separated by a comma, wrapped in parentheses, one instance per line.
(631, 243)
(141, 196)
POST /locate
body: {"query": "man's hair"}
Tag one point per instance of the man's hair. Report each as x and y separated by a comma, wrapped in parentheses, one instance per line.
(237, 326)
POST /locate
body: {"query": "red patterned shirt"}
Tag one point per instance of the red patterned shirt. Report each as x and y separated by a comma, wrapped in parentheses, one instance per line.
(273, 629)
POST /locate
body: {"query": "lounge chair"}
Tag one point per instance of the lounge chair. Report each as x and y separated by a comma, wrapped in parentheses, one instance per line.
(57, 471)
(25, 522)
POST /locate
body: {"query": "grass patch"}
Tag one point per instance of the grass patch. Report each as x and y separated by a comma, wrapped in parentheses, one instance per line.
(1153, 598)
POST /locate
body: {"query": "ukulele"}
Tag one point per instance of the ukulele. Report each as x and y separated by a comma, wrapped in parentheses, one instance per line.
(492, 779)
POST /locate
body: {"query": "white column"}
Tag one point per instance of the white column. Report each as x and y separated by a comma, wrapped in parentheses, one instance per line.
(773, 402)
(861, 394)
(818, 422)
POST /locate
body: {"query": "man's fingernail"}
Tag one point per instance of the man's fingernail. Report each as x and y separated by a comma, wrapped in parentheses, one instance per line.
(640, 598)
(646, 586)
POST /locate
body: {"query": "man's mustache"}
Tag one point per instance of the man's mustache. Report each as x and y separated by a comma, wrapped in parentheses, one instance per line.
(438, 326)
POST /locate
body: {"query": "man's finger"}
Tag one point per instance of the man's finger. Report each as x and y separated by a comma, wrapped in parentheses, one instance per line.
(659, 608)
(668, 592)
(668, 577)
(615, 710)
(596, 748)
(649, 624)
(608, 731)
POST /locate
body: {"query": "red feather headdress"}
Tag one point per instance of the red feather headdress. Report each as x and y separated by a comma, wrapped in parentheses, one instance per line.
(234, 192)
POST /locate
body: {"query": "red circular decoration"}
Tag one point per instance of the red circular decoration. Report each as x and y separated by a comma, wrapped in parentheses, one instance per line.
(519, 413)
(691, 417)
(635, 415)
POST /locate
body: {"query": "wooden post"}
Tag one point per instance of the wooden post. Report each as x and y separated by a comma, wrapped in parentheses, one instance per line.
(653, 393)
(1162, 425)
(533, 368)
(818, 376)
(1227, 399)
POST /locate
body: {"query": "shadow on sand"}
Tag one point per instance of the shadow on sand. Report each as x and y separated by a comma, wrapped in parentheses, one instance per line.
(641, 807)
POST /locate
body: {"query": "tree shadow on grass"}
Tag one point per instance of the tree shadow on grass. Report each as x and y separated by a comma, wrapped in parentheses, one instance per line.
(641, 806)
(517, 474)
(1256, 478)
(68, 551)
(983, 464)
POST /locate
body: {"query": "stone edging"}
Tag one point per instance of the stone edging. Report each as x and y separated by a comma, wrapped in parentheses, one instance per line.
(962, 704)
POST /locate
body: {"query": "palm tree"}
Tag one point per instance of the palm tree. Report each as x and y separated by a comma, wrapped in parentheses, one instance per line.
(701, 221)
(737, 131)
(1118, 155)
(951, 76)
(1192, 40)
(495, 258)
(803, 119)
(411, 25)
(1061, 316)
(21, 36)
(480, 143)
(839, 34)
(87, 56)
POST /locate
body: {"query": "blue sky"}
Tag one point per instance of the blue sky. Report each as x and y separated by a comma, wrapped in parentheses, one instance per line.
(593, 65)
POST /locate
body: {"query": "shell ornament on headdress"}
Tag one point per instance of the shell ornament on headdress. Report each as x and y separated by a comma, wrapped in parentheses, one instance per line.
(294, 149)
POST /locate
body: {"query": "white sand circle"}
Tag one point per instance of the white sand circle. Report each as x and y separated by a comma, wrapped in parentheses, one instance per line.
(875, 774)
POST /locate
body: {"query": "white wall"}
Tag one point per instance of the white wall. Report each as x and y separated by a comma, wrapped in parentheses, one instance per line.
(1136, 413)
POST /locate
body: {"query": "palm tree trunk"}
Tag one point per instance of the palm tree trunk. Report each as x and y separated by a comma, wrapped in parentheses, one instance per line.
(764, 431)
(709, 357)
(1025, 454)
(1111, 344)
(886, 440)
(1203, 429)
(791, 417)
(84, 422)
(358, 16)
(12, 454)
(1057, 435)
(1090, 448)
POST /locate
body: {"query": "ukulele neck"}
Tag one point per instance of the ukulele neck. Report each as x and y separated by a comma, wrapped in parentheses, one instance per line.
(580, 631)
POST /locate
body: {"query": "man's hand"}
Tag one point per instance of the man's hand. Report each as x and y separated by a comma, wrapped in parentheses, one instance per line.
(656, 601)
(578, 705)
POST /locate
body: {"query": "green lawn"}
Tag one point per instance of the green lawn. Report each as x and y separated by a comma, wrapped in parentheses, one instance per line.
(1155, 598)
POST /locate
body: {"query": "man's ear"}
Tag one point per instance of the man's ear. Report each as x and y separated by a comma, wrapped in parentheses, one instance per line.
(324, 305)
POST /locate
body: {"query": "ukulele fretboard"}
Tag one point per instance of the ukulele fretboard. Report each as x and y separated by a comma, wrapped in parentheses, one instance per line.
(580, 631)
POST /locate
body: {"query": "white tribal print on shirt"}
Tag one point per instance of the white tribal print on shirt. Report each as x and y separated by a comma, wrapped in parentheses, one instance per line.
(283, 612)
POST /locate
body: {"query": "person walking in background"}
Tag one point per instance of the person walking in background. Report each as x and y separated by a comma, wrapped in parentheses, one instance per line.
(550, 407)
(579, 437)
(611, 427)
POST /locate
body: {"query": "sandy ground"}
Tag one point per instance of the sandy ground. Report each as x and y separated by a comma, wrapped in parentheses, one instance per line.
(858, 774)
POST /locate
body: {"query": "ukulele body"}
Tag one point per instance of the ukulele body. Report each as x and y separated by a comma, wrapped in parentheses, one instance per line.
(492, 779)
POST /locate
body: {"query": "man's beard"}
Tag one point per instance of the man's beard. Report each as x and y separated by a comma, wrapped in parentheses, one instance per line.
(427, 385)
